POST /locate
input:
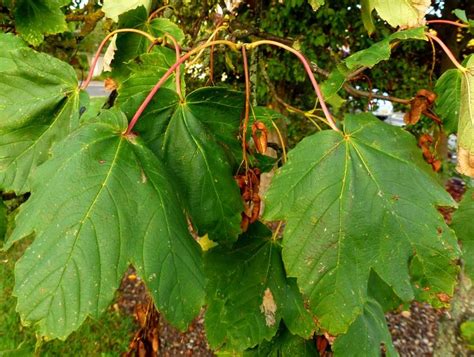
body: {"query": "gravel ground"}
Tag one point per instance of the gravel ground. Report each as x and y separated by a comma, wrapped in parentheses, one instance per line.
(414, 331)
(133, 299)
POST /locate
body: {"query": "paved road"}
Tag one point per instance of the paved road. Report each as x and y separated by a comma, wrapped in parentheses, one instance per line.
(96, 89)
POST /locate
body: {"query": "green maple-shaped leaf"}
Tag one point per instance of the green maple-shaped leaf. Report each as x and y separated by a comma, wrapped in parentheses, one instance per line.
(248, 293)
(463, 225)
(366, 334)
(39, 102)
(198, 140)
(448, 102)
(131, 45)
(101, 202)
(34, 19)
(357, 201)
(145, 72)
(284, 344)
(381, 50)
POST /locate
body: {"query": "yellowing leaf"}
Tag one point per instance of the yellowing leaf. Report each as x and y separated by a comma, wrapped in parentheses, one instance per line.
(403, 13)
(466, 122)
(114, 8)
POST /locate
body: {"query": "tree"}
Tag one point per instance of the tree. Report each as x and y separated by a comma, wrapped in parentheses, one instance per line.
(166, 165)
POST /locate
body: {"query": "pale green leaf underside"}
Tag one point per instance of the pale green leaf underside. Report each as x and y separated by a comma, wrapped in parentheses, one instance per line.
(34, 19)
(366, 334)
(114, 8)
(101, 203)
(237, 283)
(367, 6)
(403, 13)
(448, 89)
(466, 121)
(357, 202)
(39, 105)
(463, 225)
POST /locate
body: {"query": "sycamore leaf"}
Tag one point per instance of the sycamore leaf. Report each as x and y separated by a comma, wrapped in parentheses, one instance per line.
(331, 243)
(331, 86)
(463, 225)
(101, 202)
(284, 344)
(114, 8)
(466, 122)
(403, 13)
(39, 102)
(159, 26)
(380, 51)
(34, 19)
(199, 135)
(448, 102)
(248, 293)
(367, 6)
(131, 45)
(9, 43)
(366, 334)
(145, 71)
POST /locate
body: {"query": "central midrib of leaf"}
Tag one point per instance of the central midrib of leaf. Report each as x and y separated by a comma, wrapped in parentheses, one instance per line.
(89, 210)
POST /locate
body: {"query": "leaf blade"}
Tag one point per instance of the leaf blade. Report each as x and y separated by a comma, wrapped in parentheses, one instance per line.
(323, 194)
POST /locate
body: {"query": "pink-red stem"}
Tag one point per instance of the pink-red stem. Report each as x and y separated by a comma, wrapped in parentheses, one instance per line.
(177, 73)
(101, 46)
(309, 71)
(163, 79)
(446, 50)
(247, 107)
(447, 22)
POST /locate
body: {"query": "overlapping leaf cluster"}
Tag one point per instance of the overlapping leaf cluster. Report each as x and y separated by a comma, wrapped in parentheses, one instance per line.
(361, 236)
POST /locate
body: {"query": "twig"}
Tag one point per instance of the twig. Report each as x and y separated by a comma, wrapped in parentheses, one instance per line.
(447, 22)
(247, 109)
(101, 46)
(158, 85)
(307, 67)
(447, 51)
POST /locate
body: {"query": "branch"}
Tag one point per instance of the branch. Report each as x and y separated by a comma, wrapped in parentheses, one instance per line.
(240, 30)
(90, 20)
